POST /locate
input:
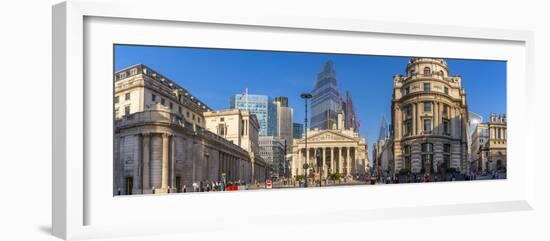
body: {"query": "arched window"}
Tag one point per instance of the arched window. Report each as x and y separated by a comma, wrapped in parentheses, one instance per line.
(427, 71)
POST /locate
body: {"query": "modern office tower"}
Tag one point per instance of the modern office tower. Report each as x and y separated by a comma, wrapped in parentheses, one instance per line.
(297, 130)
(284, 120)
(262, 106)
(325, 103)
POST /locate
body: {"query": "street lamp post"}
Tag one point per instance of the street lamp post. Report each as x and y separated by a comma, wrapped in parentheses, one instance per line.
(305, 96)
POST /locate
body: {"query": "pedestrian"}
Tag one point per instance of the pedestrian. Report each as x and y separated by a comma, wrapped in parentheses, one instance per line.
(184, 189)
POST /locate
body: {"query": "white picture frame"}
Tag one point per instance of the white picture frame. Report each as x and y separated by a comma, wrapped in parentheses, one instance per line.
(75, 197)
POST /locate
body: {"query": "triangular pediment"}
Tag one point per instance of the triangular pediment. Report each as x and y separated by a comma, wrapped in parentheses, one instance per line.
(328, 136)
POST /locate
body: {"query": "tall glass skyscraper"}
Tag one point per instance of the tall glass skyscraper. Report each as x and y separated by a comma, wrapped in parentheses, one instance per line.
(262, 106)
(325, 102)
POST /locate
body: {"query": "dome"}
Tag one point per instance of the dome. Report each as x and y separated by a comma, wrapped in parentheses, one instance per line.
(427, 67)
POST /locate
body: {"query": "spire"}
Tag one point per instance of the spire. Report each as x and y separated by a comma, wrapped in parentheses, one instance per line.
(328, 68)
(383, 129)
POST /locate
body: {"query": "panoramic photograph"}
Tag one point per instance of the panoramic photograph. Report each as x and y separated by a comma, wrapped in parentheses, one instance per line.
(190, 119)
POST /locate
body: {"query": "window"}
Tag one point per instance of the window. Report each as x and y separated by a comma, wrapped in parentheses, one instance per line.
(199, 120)
(408, 111)
(447, 155)
(127, 96)
(427, 71)
(187, 114)
(447, 148)
(427, 156)
(122, 75)
(179, 109)
(133, 71)
(446, 129)
(221, 130)
(446, 90)
(445, 110)
(427, 126)
(427, 106)
(242, 127)
(427, 147)
(221, 119)
(127, 110)
(407, 156)
(153, 97)
(427, 86)
(116, 99)
(171, 105)
(407, 90)
(162, 101)
(408, 128)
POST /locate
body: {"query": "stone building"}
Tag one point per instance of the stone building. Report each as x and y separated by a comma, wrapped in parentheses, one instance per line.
(160, 141)
(240, 128)
(480, 136)
(491, 154)
(339, 150)
(429, 118)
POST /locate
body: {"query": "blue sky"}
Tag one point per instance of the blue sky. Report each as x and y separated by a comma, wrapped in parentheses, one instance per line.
(215, 74)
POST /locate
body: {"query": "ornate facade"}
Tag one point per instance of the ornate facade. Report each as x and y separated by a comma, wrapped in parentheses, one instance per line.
(240, 128)
(160, 141)
(490, 155)
(429, 119)
(338, 150)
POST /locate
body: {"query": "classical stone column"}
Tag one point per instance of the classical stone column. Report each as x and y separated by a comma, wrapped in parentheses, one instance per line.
(164, 180)
(146, 176)
(436, 128)
(414, 114)
(172, 161)
(324, 168)
(348, 160)
(420, 109)
(340, 160)
(136, 183)
(332, 159)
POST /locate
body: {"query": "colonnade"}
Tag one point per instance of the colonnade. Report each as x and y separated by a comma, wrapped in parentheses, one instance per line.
(340, 159)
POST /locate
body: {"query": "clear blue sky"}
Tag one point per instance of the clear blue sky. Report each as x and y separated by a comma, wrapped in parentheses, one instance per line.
(215, 74)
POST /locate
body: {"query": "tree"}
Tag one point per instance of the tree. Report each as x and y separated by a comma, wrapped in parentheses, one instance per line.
(299, 178)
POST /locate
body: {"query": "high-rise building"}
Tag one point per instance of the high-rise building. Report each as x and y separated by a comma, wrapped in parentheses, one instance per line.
(262, 106)
(429, 119)
(272, 151)
(382, 151)
(352, 121)
(297, 130)
(325, 103)
(284, 120)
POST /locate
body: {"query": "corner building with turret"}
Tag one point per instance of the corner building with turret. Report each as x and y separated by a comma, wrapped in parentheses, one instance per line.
(429, 119)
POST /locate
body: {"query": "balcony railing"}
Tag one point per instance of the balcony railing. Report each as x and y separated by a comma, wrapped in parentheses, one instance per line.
(165, 117)
(158, 116)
